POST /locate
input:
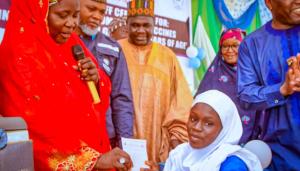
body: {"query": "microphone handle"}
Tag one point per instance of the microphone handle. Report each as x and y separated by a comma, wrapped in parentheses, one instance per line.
(94, 92)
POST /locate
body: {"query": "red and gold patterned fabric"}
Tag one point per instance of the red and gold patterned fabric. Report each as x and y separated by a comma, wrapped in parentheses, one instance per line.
(39, 84)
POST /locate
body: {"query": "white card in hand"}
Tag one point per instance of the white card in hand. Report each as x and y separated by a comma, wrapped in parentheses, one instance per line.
(137, 149)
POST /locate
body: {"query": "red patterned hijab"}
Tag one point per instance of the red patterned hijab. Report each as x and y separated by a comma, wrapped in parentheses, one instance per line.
(235, 33)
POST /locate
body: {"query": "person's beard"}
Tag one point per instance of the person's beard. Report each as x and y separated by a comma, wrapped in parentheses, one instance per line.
(89, 31)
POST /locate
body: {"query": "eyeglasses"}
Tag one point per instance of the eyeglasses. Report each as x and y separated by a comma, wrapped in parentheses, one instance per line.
(233, 47)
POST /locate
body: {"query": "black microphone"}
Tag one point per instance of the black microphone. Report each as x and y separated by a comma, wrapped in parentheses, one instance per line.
(78, 55)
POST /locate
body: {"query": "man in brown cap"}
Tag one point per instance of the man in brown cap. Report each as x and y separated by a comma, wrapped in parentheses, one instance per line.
(161, 95)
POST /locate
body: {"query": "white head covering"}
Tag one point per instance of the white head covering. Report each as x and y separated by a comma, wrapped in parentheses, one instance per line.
(211, 157)
(232, 126)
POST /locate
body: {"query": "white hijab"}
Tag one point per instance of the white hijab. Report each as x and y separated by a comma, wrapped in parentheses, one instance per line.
(210, 158)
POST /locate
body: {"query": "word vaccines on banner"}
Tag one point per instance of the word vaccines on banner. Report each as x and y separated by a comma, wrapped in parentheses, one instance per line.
(171, 22)
(4, 11)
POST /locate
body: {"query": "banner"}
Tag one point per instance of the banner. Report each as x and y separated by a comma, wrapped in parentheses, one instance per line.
(171, 22)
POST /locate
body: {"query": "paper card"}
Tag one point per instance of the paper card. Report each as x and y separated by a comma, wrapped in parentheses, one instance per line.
(137, 149)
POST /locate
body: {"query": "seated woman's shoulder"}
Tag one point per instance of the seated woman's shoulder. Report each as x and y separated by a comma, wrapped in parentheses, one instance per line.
(233, 163)
(180, 149)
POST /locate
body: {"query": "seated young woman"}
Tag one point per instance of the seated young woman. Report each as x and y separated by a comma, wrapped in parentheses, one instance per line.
(214, 129)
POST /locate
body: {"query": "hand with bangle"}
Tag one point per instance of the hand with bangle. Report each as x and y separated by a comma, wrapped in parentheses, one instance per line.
(116, 158)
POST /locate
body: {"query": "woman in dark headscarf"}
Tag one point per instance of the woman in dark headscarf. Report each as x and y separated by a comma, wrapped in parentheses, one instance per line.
(221, 75)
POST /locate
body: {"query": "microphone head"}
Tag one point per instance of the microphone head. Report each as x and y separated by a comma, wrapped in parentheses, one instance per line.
(78, 52)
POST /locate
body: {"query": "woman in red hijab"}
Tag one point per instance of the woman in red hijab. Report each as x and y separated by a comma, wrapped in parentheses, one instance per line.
(41, 82)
